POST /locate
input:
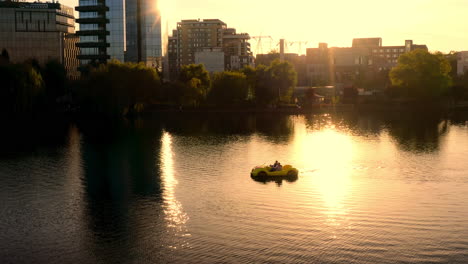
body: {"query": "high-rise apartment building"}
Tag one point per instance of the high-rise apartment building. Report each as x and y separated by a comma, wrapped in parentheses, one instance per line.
(204, 36)
(40, 31)
(237, 50)
(128, 31)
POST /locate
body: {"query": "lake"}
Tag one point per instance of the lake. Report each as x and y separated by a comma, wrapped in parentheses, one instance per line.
(372, 188)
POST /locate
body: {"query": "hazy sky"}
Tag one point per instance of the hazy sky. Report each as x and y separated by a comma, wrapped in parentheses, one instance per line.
(440, 24)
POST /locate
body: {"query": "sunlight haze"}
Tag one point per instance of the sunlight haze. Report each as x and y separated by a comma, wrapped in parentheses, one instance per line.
(436, 23)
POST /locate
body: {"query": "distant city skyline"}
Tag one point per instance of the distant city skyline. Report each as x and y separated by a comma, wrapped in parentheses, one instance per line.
(436, 23)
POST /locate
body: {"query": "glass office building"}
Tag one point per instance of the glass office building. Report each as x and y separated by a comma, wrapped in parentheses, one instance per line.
(128, 31)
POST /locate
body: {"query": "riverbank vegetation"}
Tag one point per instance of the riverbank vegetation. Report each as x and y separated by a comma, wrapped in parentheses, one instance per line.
(119, 88)
(29, 87)
(421, 75)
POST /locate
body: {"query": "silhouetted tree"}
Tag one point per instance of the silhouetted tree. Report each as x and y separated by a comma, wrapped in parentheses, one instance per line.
(22, 89)
(55, 80)
(229, 88)
(4, 57)
(121, 88)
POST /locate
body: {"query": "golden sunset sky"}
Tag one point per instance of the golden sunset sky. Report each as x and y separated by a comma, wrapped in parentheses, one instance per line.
(440, 24)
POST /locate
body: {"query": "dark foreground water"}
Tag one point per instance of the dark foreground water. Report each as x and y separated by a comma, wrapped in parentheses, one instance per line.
(372, 189)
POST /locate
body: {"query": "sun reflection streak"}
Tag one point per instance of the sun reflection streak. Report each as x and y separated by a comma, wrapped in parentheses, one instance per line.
(329, 153)
(174, 214)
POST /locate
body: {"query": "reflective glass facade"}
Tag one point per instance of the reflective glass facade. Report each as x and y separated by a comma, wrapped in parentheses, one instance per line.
(143, 22)
(116, 27)
(131, 22)
(151, 34)
(131, 30)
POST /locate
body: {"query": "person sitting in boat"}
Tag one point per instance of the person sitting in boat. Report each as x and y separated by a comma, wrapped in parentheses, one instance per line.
(276, 166)
(279, 166)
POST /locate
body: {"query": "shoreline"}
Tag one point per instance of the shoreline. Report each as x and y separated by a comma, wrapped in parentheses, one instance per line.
(341, 108)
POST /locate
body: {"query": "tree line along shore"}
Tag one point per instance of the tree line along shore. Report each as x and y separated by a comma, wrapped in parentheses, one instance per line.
(420, 79)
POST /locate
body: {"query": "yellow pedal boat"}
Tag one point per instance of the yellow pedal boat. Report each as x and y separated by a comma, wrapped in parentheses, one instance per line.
(266, 171)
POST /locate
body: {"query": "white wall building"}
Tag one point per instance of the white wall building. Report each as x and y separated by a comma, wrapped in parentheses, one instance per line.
(212, 58)
(462, 62)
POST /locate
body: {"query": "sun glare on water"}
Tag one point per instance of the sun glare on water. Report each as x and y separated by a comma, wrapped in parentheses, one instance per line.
(328, 153)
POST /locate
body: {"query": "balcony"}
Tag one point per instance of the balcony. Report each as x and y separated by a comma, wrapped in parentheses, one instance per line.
(92, 8)
(92, 32)
(93, 57)
(94, 20)
(92, 45)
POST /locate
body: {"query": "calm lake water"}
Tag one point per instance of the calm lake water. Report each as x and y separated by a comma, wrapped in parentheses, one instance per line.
(372, 188)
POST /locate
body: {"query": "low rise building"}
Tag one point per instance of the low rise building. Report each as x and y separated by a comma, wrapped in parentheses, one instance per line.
(462, 62)
(37, 31)
(358, 64)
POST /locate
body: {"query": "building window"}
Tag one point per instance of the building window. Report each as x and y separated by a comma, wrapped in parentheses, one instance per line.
(89, 39)
(88, 2)
(89, 51)
(88, 26)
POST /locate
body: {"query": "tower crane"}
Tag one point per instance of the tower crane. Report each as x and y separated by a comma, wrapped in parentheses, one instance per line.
(299, 43)
(259, 42)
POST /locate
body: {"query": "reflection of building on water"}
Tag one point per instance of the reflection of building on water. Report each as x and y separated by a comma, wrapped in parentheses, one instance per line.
(119, 168)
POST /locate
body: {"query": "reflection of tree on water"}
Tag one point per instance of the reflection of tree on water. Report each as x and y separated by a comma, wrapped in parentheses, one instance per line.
(273, 126)
(417, 132)
(120, 166)
(459, 118)
(277, 128)
(31, 136)
(412, 131)
(351, 121)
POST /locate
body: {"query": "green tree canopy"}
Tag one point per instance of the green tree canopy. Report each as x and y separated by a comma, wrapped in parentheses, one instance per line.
(55, 79)
(250, 74)
(22, 88)
(264, 92)
(197, 81)
(422, 75)
(284, 78)
(229, 88)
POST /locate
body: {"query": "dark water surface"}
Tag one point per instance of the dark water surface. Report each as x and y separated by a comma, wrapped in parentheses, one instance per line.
(372, 189)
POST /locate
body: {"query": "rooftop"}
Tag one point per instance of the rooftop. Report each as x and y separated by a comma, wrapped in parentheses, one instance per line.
(191, 21)
(34, 5)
